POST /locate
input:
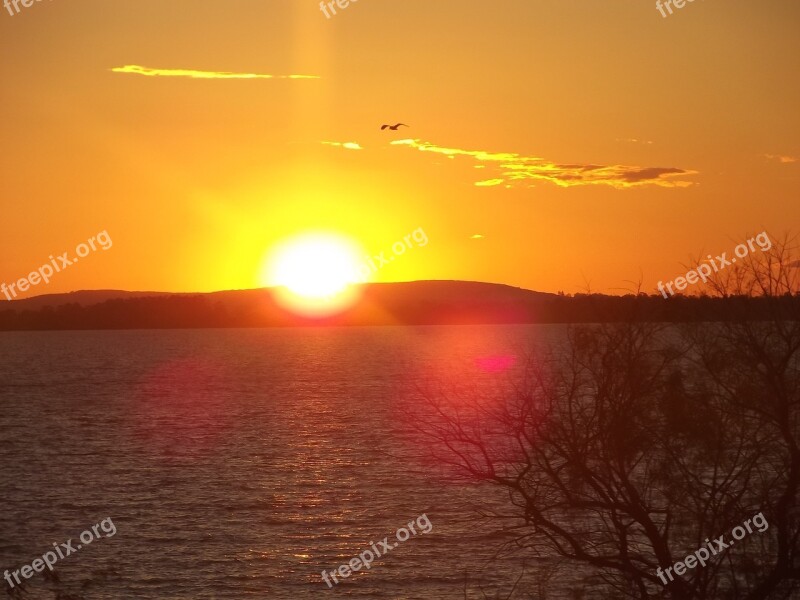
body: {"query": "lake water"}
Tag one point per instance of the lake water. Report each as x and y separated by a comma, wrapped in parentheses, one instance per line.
(241, 463)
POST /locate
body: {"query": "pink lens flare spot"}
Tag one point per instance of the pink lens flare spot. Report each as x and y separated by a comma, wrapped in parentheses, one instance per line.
(495, 364)
(180, 409)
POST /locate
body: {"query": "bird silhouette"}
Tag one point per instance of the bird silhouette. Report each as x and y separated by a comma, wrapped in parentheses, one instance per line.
(393, 127)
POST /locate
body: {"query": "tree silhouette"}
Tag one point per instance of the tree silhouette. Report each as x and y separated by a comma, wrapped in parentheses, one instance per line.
(643, 442)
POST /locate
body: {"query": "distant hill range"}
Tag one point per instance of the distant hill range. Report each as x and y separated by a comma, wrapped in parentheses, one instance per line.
(409, 303)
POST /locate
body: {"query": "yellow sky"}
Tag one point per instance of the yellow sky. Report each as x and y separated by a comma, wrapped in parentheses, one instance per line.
(586, 142)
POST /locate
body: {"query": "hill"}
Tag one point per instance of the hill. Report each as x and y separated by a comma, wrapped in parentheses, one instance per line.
(407, 303)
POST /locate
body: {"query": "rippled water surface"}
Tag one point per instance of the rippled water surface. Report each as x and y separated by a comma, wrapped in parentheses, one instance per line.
(241, 463)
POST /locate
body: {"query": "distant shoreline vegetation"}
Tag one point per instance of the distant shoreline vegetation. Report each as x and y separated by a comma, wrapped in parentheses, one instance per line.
(411, 303)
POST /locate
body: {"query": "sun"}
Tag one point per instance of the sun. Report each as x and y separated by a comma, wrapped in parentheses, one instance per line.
(314, 273)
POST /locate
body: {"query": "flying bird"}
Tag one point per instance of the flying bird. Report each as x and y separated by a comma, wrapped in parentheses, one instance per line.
(393, 127)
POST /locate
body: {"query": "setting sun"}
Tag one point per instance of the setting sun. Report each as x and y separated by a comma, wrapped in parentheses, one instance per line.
(314, 273)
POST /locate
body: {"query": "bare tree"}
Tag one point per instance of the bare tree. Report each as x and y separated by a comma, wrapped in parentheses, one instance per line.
(643, 442)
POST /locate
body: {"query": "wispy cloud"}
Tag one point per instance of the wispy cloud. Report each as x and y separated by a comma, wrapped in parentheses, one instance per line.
(192, 74)
(489, 182)
(634, 141)
(345, 145)
(514, 169)
(782, 159)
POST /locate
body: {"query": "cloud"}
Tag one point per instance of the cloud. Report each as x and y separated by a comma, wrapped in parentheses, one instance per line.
(514, 169)
(192, 74)
(345, 145)
(782, 159)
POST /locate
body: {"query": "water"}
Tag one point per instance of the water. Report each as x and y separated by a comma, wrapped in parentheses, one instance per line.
(241, 463)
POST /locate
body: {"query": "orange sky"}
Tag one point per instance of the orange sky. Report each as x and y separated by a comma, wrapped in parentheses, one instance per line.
(610, 143)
